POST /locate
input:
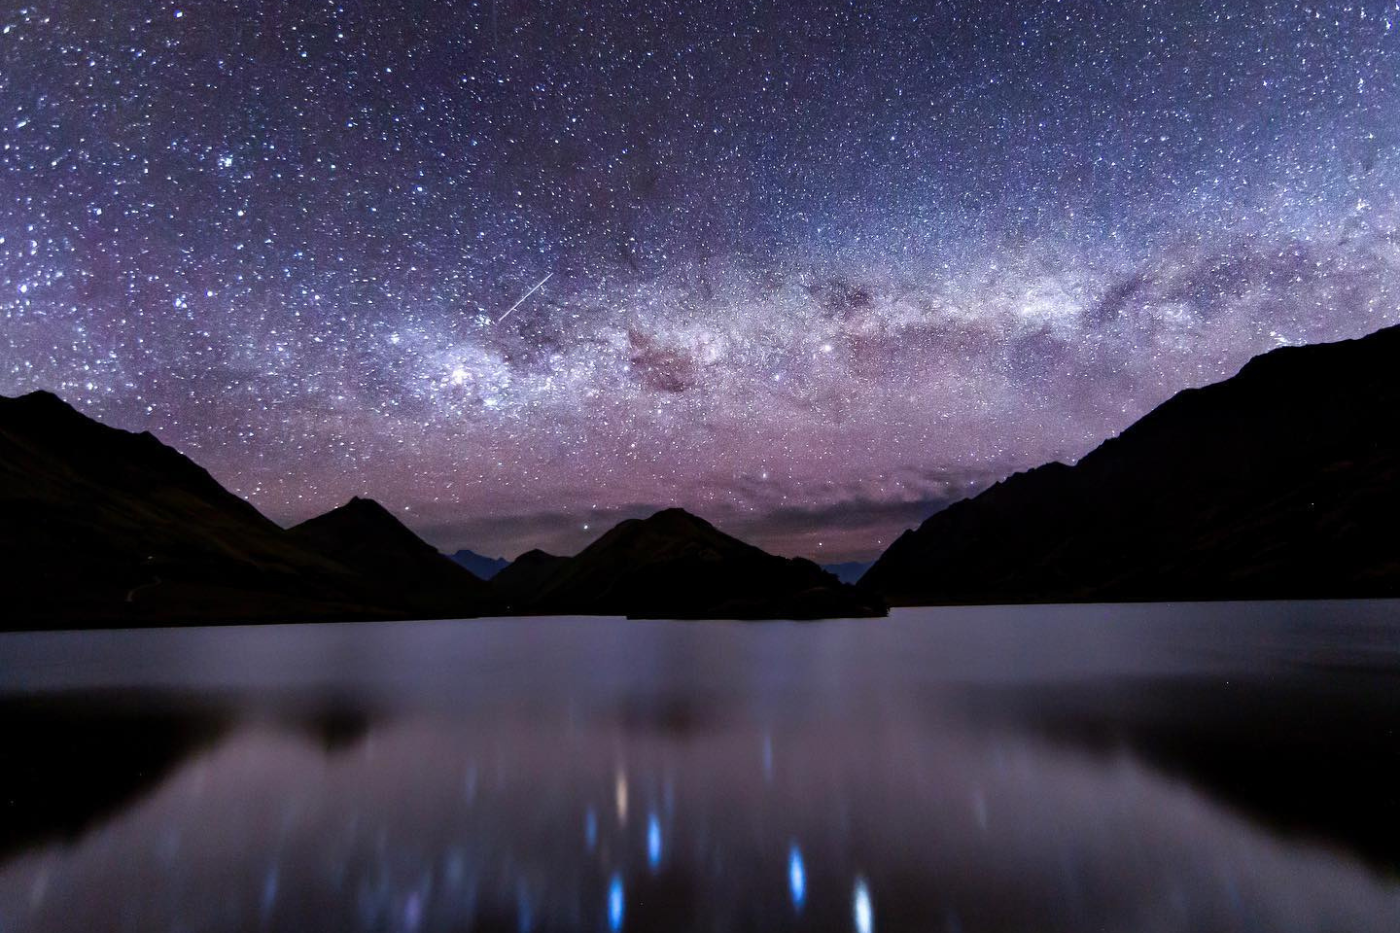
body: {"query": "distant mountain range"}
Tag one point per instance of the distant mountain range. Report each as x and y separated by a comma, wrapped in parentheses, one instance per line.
(102, 527)
(483, 567)
(675, 565)
(850, 571)
(1281, 482)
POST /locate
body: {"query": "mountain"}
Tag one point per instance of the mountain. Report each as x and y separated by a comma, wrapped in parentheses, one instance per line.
(100, 526)
(525, 575)
(103, 527)
(675, 565)
(1281, 482)
(483, 568)
(365, 537)
(850, 571)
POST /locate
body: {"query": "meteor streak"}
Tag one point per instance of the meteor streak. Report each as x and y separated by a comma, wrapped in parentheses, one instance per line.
(524, 296)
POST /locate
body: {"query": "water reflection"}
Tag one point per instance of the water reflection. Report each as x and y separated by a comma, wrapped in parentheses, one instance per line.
(887, 799)
(266, 830)
(590, 829)
(797, 877)
(617, 906)
(653, 842)
(864, 911)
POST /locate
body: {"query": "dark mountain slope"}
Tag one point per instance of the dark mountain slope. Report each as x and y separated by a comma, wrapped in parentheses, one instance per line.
(519, 582)
(104, 527)
(675, 565)
(1281, 482)
(365, 537)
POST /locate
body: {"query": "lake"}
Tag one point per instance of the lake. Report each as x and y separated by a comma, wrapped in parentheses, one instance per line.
(1190, 767)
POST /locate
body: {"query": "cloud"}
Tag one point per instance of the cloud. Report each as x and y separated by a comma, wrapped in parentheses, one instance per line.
(846, 518)
(510, 534)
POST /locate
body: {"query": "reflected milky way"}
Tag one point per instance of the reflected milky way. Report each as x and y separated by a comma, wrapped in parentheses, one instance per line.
(847, 777)
(809, 269)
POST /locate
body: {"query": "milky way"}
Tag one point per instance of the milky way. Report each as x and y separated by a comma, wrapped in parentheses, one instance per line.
(813, 269)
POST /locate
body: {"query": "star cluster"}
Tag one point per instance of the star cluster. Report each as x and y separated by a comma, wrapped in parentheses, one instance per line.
(810, 269)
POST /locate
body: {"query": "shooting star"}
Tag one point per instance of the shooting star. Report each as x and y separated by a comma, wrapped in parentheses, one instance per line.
(524, 296)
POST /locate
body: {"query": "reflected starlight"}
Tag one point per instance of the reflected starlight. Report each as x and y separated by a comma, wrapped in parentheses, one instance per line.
(653, 841)
(797, 877)
(863, 909)
(615, 903)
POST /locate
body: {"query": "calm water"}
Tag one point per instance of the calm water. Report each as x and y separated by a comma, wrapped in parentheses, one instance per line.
(1120, 768)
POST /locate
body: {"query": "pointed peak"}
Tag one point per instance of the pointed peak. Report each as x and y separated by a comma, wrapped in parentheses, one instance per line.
(468, 552)
(357, 512)
(673, 512)
(668, 528)
(364, 506)
(677, 522)
(39, 403)
(677, 518)
(40, 397)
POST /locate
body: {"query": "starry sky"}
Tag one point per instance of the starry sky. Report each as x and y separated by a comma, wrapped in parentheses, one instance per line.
(809, 269)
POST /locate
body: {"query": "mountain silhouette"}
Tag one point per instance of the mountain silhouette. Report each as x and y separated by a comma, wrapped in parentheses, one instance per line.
(1281, 482)
(522, 578)
(106, 527)
(103, 527)
(364, 536)
(849, 571)
(676, 565)
(483, 568)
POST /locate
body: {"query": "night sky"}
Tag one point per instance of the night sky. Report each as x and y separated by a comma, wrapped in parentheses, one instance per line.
(811, 270)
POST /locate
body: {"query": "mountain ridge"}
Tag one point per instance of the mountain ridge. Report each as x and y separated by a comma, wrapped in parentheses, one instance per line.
(673, 564)
(105, 527)
(110, 527)
(480, 565)
(1276, 482)
(366, 537)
